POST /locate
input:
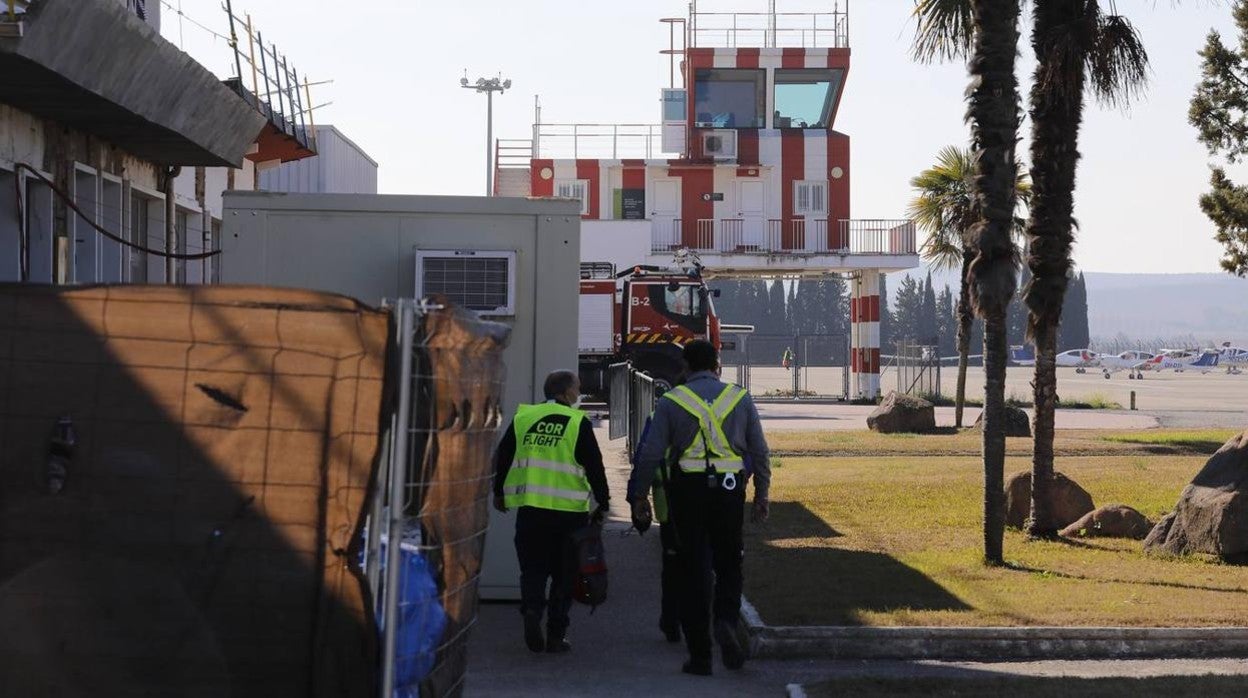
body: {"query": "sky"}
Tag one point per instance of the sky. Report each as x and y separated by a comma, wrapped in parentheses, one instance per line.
(396, 66)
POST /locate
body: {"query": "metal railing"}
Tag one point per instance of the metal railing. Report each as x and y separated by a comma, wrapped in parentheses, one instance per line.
(769, 30)
(266, 81)
(615, 141)
(879, 236)
(799, 236)
(513, 153)
(631, 403)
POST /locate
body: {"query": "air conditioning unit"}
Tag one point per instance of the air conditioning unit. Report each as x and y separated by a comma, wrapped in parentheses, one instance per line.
(720, 145)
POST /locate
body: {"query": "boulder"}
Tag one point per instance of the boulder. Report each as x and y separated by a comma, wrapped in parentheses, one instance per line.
(1110, 521)
(902, 414)
(1212, 513)
(1017, 423)
(1067, 500)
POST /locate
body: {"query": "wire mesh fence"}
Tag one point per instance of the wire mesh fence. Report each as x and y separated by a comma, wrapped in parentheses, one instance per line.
(433, 497)
(789, 366)
(917, 368)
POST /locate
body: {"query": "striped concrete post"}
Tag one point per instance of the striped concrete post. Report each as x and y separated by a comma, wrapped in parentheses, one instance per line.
(864, 317)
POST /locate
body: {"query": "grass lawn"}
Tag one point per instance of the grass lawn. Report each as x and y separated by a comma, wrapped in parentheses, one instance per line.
(896, 539)
(1029, 687)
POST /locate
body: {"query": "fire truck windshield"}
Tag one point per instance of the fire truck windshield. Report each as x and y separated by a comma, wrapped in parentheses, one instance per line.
(683, 306)
(682, 301)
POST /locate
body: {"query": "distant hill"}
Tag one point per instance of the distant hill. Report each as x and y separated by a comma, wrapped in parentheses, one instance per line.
(1146, 307)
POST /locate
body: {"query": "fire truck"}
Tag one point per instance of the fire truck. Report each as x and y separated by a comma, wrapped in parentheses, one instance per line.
(645, 315)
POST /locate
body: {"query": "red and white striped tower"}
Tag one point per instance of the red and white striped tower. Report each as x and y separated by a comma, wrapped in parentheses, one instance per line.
(864, 316)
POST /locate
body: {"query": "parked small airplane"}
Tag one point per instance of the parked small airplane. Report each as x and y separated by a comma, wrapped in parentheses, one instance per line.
(1235, 358)
(1079, 359)
(1134, 362)
(1180, 360)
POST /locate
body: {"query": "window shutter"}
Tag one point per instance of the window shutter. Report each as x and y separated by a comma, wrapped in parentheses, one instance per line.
(803, 198)
(819, 197)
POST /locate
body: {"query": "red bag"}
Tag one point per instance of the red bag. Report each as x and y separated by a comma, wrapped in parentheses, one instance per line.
(589, 586)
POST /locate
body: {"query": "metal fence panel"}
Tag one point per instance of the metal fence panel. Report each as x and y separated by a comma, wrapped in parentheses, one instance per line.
(618, 379)
(791, 366)
(433, 501)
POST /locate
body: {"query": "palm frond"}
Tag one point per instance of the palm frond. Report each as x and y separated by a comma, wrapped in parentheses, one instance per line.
(945, 30)
(1118, 65)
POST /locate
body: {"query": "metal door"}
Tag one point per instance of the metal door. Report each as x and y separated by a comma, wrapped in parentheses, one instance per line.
(665, 214)
(753, 205)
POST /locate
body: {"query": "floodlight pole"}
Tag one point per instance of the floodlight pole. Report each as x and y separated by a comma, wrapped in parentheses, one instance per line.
(489, 87)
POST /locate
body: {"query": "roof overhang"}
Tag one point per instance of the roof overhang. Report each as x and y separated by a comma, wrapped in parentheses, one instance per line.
(93, 66)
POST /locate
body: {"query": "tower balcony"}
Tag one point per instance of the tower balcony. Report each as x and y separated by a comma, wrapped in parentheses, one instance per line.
(795, 237)
(805, 30)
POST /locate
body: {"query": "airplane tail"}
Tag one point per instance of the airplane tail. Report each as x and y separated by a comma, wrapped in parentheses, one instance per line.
(1207, 360)
(1022, 354)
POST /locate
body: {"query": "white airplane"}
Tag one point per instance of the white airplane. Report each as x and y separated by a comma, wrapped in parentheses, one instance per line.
(1079, 359)
(1134, 362)
(1235, 358)
(1180, 360)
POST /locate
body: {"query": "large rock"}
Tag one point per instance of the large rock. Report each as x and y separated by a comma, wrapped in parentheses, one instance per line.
(1110, 521)
(1212, 513)
(902, 414)
(1017, 423)
(1068, 502)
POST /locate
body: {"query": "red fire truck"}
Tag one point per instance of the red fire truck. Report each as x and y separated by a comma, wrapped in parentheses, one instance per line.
(645, 315)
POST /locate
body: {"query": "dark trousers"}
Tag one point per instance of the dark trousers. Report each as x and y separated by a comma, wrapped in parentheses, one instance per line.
(544, 547)
(670, 576)
(708, 530)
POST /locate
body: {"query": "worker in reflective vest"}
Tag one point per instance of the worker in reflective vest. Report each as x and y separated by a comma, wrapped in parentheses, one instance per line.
(547, 467)
(669, 575)
(701, 432)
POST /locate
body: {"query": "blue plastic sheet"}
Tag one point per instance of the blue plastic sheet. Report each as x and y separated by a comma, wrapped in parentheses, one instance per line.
(421, 622)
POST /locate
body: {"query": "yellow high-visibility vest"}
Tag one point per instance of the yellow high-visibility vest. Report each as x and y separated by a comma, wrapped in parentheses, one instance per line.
(545, 473)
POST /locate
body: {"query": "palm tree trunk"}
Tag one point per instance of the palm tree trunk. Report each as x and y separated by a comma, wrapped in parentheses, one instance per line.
(1040, 524)
(1056, 114)
(993, 113)
(966, 318)
(996, 355)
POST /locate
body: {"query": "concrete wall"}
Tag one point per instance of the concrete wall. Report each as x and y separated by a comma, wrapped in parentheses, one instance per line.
(365, 247)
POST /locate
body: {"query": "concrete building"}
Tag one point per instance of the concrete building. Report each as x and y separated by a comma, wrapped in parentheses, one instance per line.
(339, 167)
(104, 123)
(745, 171)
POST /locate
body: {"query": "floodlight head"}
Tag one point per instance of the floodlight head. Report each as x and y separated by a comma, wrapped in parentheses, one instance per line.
(463, 81)
(507, 84)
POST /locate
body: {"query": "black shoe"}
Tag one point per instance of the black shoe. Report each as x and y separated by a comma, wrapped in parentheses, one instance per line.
(533, 632)
(557, 644)
(734, 653)
(697, 668)
(671, 630)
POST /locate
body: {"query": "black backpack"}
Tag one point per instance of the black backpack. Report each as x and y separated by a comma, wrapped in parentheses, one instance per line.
(590, 583)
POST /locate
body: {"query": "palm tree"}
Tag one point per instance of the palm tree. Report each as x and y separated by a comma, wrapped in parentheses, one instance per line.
(944, 207)
(1077, 47)
(986, 31)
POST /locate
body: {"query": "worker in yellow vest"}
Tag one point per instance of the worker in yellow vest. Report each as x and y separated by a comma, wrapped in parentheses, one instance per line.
(669, 575)
(702, 432)
(547, 466)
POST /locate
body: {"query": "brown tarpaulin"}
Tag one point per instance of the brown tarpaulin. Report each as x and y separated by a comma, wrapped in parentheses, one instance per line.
(456, 412)
(203, 542)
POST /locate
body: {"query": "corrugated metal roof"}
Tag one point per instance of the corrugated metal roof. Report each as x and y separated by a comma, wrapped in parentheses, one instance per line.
(339, 167)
